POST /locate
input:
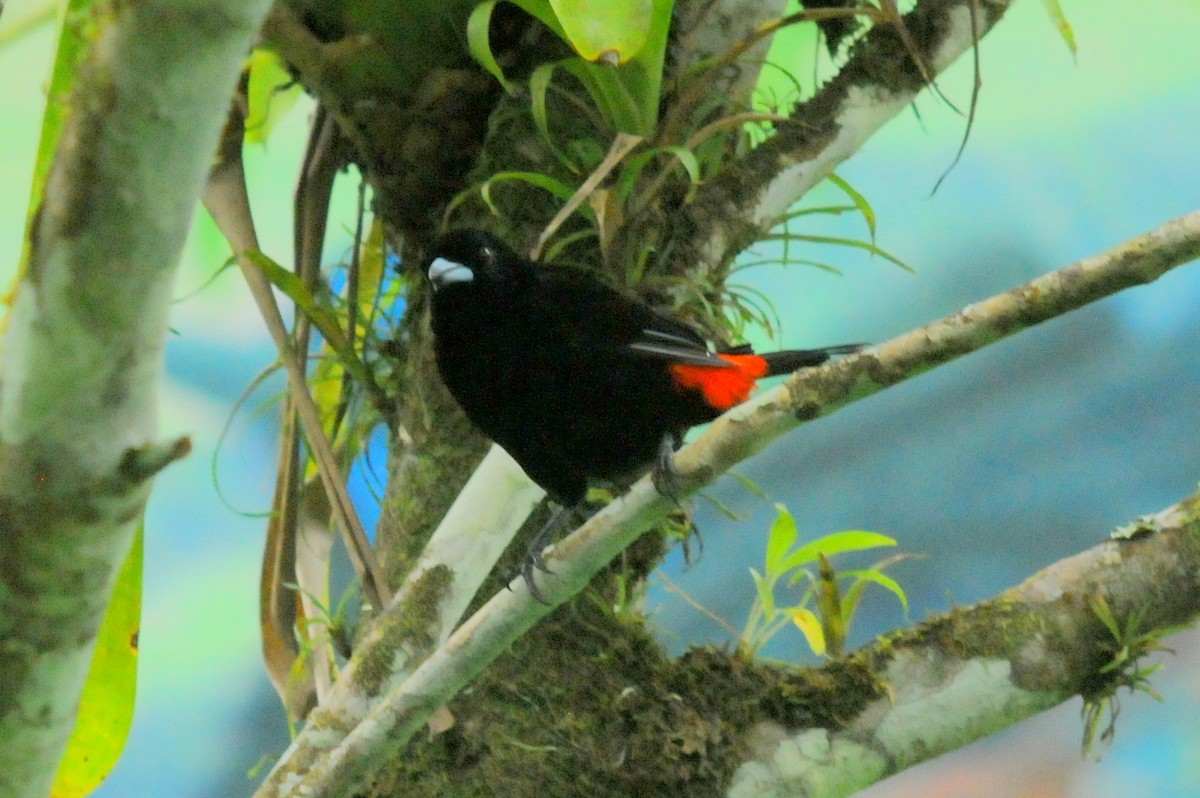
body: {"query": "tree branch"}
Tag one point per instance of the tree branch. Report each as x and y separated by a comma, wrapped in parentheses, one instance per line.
(745, 201)
(732, 438)
(964, 675)
(83, 351)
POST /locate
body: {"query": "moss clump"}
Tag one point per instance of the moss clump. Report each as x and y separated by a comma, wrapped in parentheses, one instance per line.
(588, 704)
(409, 632)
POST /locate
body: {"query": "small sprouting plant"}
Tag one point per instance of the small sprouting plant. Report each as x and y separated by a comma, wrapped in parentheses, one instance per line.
(828, 599)
(1129, 646)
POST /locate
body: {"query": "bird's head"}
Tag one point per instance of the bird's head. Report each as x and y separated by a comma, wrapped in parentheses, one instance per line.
(470, 257)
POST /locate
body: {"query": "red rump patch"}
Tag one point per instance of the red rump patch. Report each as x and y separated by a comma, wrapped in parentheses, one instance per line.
(722, 387)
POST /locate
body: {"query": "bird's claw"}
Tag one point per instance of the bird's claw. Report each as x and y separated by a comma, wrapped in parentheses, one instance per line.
(665, 475)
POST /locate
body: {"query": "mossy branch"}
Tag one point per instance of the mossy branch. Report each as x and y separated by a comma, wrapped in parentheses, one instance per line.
(748, 199)
(352, 756)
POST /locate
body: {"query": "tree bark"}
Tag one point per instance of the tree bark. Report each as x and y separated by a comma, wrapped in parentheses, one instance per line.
(83, 349)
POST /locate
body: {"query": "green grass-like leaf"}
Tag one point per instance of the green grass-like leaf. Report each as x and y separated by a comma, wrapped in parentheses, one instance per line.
(479, 45)
(1054, 9)
(835, 543)
(846, 242)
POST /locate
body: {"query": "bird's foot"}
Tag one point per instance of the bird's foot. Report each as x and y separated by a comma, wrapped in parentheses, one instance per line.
(665, 475)
(535, 559)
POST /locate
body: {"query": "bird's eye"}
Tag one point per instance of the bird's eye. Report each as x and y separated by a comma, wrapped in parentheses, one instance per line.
(488, 255)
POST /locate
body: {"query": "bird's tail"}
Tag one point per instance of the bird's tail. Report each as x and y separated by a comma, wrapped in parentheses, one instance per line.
(789, 360)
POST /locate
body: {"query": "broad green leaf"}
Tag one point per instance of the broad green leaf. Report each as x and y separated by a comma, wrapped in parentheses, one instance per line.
(271, 93)
(808, 623)
(106, 706)
(603, 30)
(628, 95)
(835, 543)
(781, 538)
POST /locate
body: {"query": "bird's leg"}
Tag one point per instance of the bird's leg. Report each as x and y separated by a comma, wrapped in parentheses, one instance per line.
(665, 475)
(693, 531)
(667, 481)
(534, 561)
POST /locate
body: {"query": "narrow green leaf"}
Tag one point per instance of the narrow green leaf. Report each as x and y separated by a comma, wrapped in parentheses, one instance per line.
(781, 538)
(480, 46)
(861, 580)
(747, 483)
(836, 543)
(860, 202)
(849, 242)
(766, 596)
(321, 317)
(634, 167)
(545, 182)
(1054, 9)
(831, 210)
(539, 85)
(106, 706)
(720, 506)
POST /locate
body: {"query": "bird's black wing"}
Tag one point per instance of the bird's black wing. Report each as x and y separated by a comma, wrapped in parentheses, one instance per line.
(621, 320)
(666, 346)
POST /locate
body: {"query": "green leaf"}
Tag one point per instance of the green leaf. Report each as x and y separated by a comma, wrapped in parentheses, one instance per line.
(781, 538)
(479, 45)
(555, 187)
(321, 317)
(74, 34)
(539, 84)
(808, 623)
(747, 483)
(860, 202)
(628, 95)
(106, 706)
(766, 596)
(635, 166)
(270, 94)
(849, 242)
(861, 579)
(836, 543)
(603, 30)
(1054, 9)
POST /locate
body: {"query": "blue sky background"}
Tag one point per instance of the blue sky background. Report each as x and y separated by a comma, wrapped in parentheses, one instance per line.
(992, 467)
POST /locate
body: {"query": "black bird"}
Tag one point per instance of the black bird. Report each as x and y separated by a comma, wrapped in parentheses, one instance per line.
(579, 382)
